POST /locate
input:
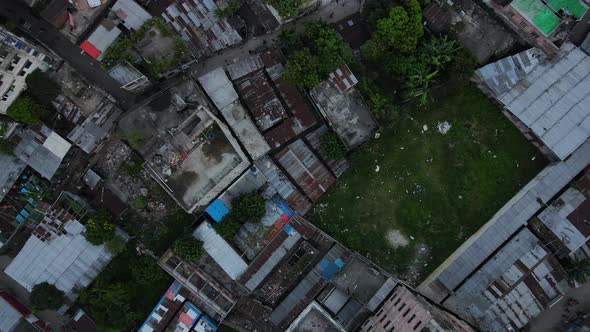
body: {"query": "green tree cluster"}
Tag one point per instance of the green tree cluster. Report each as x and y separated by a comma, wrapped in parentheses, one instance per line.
(188, 248)
(578, 270)
(230, 9)
(116, 245)
(314, 54)
(99, 228)
(42, 87)
(246, 207)
(124, 291)
(332, 146)
(287, 8)
(6, 147)
(46, 296)
(26, 110)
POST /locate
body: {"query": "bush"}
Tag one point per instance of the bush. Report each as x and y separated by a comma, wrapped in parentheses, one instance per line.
(116, 245)
(41, 87)
(578, 270)
(248, 207)
(188, 248)
(133, 166)
(6, 147)
(331, 146)
(25, 110)
(228, 226)
(146, 272)
(286, 8)
(139, 202)
(46, 296)
(99, 228)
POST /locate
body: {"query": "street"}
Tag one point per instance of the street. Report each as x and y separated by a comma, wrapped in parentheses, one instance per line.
(50, 37)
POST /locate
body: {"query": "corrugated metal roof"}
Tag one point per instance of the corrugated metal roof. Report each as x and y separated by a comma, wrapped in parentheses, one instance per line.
(67, 261)
(11, 168)
(306, 169)
(135, 15)
(42, 149)
(102, 38)
(221, 252)
(337, 166)
(244, 67)
(219, 88)
(95, 128)
(9, 316)
(196, 19)
(552, 100)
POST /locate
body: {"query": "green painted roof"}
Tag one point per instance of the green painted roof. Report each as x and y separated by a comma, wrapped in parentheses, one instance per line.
(538, 14)
(572, 7)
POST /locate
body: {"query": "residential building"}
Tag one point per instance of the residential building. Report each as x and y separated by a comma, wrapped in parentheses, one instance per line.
(176, 312)
(129, 77)
(406, 310)
(343, 107)
(126, 13)
(196, 22)
(18, 58)
(564, 224)
(90, 134)
(58, 252)
(545, 98)
(188, 150)
(543, 23)
(42, 149)
(14, 316)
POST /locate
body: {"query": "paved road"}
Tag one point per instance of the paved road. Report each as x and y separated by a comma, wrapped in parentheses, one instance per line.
(50, 37)
(338, 11)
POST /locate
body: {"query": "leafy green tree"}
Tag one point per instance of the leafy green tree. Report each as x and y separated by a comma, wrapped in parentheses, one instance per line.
(441, 50)
(228, 226)
(332, 146)
(402, 29)
(6, 147)
(99, 228)
(109, 303)
(289, 41)
(188, 248)
(146, 272)
(46, 296)
(287, 8)
(302, 69)
(248, 207)
(42, 87)
(229, 10)
(116, 245)
(578, 270)
(331, 51)
(25, 110)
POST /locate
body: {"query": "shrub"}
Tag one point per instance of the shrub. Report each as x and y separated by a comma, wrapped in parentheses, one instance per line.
(188, 248)
(331, 146)
(25, 110)
(46, 296)
(6, 147)
(578, 270)
(133, 166)
(146, 272)
(116, 245)
(139, 202)
(248, 207)
(99, 228)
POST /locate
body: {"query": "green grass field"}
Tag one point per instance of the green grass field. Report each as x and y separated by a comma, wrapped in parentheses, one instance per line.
(435, 189)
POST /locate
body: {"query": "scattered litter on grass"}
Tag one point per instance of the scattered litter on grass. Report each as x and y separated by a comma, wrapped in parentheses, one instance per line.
(411, 237)
(424, 128)
(443, 127)
(377, 169)
(377, 135)
(533, 158)
(401, 147)
(396, 239)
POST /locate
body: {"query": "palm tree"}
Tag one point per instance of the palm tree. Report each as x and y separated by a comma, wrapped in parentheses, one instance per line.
(578, 270)
(441, 50)
(419, 85)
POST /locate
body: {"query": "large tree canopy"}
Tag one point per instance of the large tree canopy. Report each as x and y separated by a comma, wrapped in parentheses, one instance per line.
(25, 110)
(188, 248)
(99, 228)
(46, 296)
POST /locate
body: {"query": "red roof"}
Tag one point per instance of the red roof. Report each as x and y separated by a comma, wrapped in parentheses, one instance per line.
(15, 303)
(87, 47)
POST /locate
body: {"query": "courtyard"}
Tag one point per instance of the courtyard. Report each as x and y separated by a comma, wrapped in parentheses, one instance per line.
(428, 181)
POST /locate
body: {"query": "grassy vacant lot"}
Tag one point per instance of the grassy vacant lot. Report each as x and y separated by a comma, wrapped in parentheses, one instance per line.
(435, 189)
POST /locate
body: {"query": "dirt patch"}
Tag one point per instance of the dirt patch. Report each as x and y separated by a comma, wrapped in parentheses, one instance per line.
(396, 239)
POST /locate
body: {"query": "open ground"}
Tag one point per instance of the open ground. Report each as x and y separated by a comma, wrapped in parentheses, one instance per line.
(428, 181)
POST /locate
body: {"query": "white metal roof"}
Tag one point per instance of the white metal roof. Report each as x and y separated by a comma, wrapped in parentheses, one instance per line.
(9, 317)
(219, 88)
(68, 261)
(136, 16)
(221, 252)
(102, 38)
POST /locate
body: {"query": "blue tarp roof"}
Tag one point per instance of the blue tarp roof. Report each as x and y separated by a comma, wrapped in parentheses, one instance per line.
(283, 206)
(217, 210)
(330, 269)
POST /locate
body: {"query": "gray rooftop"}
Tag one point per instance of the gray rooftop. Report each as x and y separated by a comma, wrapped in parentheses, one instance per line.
(124, 73)
(11, 168)
(346, 112)
(42, 149)
(95, 128)
(551, 99)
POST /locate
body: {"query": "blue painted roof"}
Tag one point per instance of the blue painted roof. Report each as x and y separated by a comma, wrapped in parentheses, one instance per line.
(330, 269)
(283, 206)
(217, 210)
